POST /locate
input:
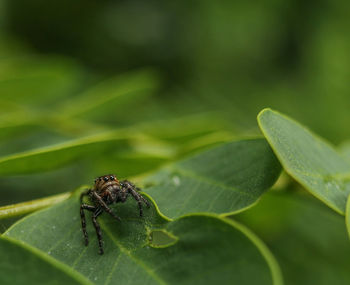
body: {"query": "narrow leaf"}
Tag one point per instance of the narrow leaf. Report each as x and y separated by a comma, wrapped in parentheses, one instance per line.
(51, 157)
(117, 89)
(93, 147)
(347, 215)
(31, 206)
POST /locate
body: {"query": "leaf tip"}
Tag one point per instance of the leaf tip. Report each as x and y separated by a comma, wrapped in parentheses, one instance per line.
(263, 111)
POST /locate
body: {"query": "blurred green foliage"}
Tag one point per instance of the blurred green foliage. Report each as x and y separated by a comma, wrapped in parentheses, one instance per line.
(234, 56)
(142, 84)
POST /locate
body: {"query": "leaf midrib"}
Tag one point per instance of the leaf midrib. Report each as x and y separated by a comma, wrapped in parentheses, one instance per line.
(105, 137)
(132, 257)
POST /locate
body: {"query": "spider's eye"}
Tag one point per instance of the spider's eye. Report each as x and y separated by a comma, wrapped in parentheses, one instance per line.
(105, 179)
(112, 178)
(100, 179)
(95, 180)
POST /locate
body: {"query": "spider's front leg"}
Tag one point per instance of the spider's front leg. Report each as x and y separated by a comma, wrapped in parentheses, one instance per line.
(104, 206)
(82, 214)
(83, 220)
(137, 196)
(94, 216)
(85, 193)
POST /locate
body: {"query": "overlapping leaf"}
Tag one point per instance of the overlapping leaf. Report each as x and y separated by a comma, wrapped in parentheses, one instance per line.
(207, 249)
(308, 159)
(55, 156)
(226, 179)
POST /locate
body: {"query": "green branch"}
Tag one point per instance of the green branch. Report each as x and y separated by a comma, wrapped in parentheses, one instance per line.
(31, 206)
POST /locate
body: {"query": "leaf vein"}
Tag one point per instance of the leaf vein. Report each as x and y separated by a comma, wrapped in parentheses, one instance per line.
(210, 181)
(133, 258)
(108, 279)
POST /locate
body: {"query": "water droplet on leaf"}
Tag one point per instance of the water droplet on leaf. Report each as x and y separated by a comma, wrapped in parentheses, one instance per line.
(176, 180)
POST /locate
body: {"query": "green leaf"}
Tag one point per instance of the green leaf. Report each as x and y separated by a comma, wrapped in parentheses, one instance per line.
(55, 156)
(347, 215)
(345, 150)
(92, 147)
(207, 248)
(23, 264)
(308, 159)
(31, 206)
(8, 131)
(225, 179)
(242, 172)
(308, 239)
(106, 97)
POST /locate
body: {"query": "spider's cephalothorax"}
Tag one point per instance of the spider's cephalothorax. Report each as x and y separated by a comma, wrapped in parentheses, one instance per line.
(107, 190)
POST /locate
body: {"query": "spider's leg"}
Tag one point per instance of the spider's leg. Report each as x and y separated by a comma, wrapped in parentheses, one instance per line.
(145, 201)
(104, 206)
(94, 216)
(83, 220)
(85, 193)
(135, 189)
(141, 197)
(138, 197)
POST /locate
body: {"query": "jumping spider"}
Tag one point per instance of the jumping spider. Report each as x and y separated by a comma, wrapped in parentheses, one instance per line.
(107, 190)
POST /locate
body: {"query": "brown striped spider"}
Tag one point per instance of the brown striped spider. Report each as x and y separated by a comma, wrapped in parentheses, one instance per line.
(106, 191)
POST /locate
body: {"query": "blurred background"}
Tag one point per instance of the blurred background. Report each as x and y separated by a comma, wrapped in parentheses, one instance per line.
(128, 86)
(232, 57)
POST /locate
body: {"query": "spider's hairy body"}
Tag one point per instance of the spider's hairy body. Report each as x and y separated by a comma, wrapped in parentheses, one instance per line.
(106, 191)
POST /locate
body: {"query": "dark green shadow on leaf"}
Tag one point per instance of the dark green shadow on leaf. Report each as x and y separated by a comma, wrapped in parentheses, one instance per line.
(307, 238)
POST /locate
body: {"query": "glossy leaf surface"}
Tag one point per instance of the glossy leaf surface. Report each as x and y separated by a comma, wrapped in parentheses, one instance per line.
(22, 264)
(308, 159)
(224, 179)
(228, 252)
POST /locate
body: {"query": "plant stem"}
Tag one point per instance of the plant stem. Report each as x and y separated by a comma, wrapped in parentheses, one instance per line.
(31, 206)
